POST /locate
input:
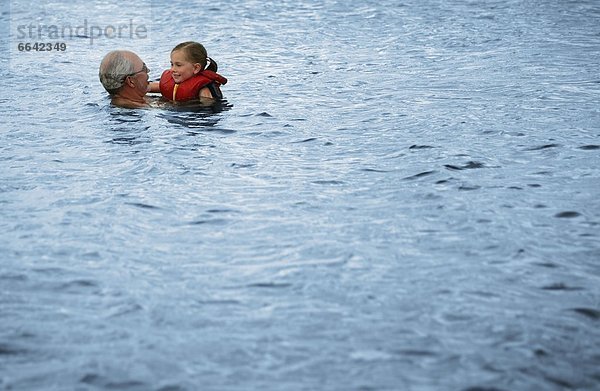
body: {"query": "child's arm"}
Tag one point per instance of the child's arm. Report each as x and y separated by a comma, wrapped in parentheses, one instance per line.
(153, 86)
(211, 91)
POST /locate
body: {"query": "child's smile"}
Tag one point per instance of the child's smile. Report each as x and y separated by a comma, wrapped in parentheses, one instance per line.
(181, 67)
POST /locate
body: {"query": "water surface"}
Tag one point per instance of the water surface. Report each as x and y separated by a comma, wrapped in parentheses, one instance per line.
(396, 196)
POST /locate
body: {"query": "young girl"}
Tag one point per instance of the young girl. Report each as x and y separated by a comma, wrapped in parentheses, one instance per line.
(193, 75)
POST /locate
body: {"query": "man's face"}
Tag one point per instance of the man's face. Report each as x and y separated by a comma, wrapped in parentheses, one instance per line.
(139, 76)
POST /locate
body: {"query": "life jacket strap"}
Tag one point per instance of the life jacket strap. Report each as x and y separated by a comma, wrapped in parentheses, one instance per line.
(214, 90)
(175, 91)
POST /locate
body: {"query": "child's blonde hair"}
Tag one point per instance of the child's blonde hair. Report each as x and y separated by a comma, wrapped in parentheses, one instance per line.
(196, 53)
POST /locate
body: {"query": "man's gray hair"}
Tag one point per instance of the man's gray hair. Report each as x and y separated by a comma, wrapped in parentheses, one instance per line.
(113, 70)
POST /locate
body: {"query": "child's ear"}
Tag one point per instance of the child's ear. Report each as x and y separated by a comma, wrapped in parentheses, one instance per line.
(197, 68)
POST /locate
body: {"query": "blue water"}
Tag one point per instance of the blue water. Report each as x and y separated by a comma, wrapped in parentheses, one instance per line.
(395, 196)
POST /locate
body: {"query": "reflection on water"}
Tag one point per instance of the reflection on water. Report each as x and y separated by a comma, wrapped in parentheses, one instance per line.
(122, 123)
(193, 114)
(400, 196)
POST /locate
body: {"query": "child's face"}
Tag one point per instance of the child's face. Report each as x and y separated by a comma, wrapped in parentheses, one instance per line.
(181, 67)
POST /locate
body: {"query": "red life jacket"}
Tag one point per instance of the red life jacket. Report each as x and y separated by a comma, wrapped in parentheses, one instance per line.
(190, 88)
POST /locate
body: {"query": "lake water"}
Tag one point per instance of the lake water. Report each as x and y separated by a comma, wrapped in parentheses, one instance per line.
(395, 196)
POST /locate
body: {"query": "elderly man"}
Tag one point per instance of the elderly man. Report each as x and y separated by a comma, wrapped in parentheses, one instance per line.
(125, 76)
